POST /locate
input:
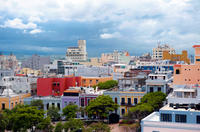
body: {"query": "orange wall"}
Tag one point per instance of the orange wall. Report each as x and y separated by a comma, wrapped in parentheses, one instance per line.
(176, 57)
(15, 100)
(91, 81)
(189, 74)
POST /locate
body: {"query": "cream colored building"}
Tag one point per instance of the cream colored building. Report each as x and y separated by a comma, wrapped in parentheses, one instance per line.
(92, 62)
(77, 54)
(158, 51)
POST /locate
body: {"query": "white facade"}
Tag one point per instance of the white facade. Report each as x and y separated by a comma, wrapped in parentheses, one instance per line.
(158, 51)
(152, 123)
(186, 94)
(18, 84)
(79, 53)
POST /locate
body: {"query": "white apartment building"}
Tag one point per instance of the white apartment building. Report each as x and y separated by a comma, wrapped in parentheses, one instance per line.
(158, 51)
(79, 53)
(17, 84)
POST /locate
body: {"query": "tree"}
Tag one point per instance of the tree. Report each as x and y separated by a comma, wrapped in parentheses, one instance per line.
(101, 106)
(73, 125)
(140, 111)
(45, 125)
(107, 85)
(38, 103)
(70, 111)
(154, 99)
(3, 122)
(53, 113)
(59, 127)
(97, 127)
(23, 117)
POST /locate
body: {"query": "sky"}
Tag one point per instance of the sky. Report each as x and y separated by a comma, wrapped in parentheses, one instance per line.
(48, 27)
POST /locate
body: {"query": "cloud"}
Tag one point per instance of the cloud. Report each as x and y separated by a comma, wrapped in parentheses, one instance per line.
(18, 24)
(38, 48)
(36, 19)
(110, 35)
(35, 31)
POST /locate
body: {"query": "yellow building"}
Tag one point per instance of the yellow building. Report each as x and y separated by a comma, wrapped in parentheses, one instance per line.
(92, 62)
(176, 57)
(29, 71)
(8, 99)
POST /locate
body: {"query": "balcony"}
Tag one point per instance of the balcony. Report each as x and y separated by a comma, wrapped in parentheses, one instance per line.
(126, 104)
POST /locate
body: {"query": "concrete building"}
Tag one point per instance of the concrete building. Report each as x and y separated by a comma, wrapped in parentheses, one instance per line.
(158, 51)
(116, 57)
(56, 86)
(92, 62)
(5, 73)
(125, 99)
(172, 120)
(35, 62)
(9, 99)
(79, 53)
(48, 101)
(93, 81)
(159, 81)
(8, 62)
(18, 84)
(188, 74)
(176, 57)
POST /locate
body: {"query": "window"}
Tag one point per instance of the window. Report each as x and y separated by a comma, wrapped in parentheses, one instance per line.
(97, 81)
(181, 118)
(159, 88)
(122, 100)
(47, 106)
(11, 105)
(129, 101)
(198, 119)
(82, 102)
(151, 89)
(3, 106)
(90, 81)
(166, 117)
(177, 71)
(135, 101)
(58, 106)
(122, 111)
(53, 105)
(116, 100)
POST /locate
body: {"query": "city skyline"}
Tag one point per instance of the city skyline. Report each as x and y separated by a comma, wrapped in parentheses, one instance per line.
(49, 27)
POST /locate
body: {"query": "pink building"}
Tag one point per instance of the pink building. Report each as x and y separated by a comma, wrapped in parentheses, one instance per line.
(188, 74)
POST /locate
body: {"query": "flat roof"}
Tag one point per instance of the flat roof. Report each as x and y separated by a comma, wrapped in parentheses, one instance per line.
(166, 107)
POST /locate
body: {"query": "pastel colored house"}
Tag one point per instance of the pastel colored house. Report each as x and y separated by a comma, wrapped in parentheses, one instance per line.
(9, 99)
(188, 74)
(56, 86)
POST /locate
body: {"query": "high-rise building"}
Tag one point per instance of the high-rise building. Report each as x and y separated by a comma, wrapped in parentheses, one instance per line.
(79, 53)
(158, 51)
(35, 62)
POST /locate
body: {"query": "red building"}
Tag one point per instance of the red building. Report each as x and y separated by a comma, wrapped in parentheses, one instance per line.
(56, 86)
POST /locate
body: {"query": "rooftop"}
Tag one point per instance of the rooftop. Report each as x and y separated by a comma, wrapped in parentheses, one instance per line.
(166, 107)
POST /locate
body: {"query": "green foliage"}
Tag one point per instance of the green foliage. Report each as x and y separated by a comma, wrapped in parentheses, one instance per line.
(149, 103)
(23, 117)
(70, 111)
(59, 127)
(53, 113)
(45, 125)
(154, 99)
(97, 127)
(37, 103)
(101, 106)
(73, 125)
(140, 111)
(3, 122)
(108, 84)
